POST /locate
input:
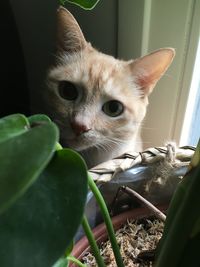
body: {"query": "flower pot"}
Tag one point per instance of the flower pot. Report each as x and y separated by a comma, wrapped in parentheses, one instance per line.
(100, 232)
(136, 171)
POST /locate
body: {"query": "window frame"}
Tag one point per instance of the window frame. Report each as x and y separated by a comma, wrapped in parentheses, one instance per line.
(178, 27)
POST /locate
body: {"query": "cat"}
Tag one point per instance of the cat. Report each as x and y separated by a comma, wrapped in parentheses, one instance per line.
(97, 101)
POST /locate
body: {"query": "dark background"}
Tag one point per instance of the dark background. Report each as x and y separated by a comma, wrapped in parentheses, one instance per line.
(14, 93)
(27, 47)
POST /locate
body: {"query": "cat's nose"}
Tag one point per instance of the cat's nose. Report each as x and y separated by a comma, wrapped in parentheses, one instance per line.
(79, 128)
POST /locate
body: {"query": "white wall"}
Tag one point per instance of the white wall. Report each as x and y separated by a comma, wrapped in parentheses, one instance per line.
(161, 24)
(99, 25)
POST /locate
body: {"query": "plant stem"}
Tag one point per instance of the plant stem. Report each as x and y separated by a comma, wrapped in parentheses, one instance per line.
(73, 259)
(93, 244)
(107, 221)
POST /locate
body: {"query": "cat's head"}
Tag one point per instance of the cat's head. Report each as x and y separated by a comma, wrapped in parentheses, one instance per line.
(97, 100)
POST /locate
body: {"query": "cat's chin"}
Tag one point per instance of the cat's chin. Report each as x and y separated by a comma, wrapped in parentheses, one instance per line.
(78, 144)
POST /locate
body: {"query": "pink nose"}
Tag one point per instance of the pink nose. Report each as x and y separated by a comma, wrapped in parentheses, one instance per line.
(79, 128)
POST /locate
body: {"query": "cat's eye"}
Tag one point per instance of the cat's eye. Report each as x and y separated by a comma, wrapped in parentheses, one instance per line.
(68, 90)
(113, 108)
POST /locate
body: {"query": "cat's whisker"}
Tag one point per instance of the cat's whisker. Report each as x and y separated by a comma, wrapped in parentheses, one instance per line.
(77, 85)
(117, 141)
(101, 147)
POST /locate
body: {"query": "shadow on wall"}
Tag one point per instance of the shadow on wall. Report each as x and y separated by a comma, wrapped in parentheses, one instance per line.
(14, 95)
(29, 30)
(35, 20)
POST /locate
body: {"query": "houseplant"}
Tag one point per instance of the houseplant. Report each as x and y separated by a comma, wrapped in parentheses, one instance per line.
(181, 237)
(43, 187)
(37, 219)
(182, 223)
(42, 194)
(31, 159)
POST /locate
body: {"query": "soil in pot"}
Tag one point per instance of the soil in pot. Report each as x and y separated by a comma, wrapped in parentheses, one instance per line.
(133, 237)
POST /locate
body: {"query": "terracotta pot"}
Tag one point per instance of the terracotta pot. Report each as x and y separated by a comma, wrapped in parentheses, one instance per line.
(100, 232)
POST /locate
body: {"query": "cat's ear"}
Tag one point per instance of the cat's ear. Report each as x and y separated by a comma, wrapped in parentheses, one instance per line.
(148, 70)
(69, 35)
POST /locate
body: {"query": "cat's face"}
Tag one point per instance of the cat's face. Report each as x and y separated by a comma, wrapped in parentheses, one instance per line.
(97, 100)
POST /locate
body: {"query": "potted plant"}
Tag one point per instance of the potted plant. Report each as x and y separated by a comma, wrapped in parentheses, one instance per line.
(43, 192)
(153, 173)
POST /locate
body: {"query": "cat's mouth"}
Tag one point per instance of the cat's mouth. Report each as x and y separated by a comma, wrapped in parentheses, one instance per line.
(80, 142)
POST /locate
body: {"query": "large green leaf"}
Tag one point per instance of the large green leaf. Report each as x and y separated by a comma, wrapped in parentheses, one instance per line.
(190, 256)
(182, 227)
(13, 125)
(40, 225)
(22, 159)
(62, 262)
(38, 118)
(86, 4)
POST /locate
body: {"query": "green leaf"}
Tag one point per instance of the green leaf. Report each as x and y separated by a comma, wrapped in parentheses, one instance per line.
(41, 224)
(85, 4)
(62, 262)
(38, 118)
(12, 125)
(182, 224)
(69, 249)
(190, 256)
(22, 158)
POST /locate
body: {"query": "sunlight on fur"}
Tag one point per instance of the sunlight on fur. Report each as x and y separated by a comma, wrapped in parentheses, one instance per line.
(97, 101)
